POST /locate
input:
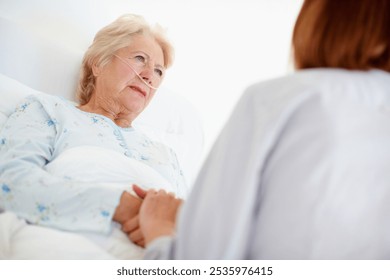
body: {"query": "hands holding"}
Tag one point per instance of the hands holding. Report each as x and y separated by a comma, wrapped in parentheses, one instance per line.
(156, 216)
(127, 211)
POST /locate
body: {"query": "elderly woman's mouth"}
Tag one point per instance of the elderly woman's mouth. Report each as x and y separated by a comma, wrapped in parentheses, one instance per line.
(138, 89)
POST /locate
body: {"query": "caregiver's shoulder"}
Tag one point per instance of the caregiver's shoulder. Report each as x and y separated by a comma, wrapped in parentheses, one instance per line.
(313, 81)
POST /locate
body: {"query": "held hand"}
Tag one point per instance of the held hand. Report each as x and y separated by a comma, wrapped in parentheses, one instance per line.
(157, 216)
(127, 215)
(127, 209)
(133, 231)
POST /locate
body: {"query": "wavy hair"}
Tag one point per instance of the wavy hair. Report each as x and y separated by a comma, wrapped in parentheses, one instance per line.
(109, 40)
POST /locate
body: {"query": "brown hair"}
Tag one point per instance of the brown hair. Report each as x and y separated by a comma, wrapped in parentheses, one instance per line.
(351, 34)
(109, 40)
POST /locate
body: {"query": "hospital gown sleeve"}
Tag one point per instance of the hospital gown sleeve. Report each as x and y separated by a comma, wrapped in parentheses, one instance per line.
(27, 142)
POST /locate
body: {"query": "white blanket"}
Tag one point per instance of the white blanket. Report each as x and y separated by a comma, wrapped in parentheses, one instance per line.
(100, 165)
(19, 240)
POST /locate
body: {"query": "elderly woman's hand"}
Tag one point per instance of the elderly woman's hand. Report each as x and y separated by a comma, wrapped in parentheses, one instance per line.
(127, 209)
(157, 215)
(133, 231)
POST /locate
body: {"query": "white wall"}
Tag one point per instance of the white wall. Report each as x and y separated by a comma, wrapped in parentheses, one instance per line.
(221, 46)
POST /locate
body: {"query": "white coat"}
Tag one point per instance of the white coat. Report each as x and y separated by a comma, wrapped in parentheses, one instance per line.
(300, 171)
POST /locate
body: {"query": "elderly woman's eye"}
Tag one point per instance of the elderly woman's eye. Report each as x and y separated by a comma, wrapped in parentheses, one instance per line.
(159, 72)
(140, 58)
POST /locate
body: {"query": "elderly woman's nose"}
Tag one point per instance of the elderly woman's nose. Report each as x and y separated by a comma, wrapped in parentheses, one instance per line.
(147, 73)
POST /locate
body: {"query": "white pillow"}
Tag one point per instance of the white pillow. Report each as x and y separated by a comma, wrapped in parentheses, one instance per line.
(11, 93)
(172, 120)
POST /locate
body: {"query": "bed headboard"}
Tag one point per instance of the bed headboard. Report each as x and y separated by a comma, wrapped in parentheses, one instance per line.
(32, 61)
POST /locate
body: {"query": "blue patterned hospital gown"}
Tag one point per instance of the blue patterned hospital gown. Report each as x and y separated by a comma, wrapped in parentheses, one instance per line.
(40, 129)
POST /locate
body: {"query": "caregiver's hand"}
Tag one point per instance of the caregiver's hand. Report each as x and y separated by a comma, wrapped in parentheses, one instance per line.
(157, 215)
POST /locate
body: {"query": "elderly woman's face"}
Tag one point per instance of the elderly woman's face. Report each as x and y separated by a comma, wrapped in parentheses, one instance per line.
(120, 85)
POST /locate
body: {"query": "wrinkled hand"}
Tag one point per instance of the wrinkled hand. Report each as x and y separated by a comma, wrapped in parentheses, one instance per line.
(127, 209)
(133, 231)
(131, 226)
(157, 215)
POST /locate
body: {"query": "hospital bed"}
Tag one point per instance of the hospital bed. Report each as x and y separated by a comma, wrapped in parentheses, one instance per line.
(33, 61)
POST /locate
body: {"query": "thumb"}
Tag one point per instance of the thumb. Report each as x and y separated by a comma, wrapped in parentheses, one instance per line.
(140, 192)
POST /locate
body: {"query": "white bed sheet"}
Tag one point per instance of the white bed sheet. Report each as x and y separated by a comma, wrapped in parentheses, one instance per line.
(18, 240)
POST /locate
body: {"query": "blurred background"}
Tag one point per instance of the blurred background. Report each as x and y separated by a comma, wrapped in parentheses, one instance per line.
(222, 46)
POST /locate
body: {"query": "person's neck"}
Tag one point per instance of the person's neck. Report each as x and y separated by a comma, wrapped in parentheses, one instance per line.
(122, 122)
(119, 118)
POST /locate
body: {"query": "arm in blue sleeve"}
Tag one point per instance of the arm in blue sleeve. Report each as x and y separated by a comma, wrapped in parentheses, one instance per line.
(26, 188)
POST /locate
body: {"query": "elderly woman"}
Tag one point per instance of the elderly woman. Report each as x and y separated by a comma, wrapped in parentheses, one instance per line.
(301, 170)
(120, 74)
